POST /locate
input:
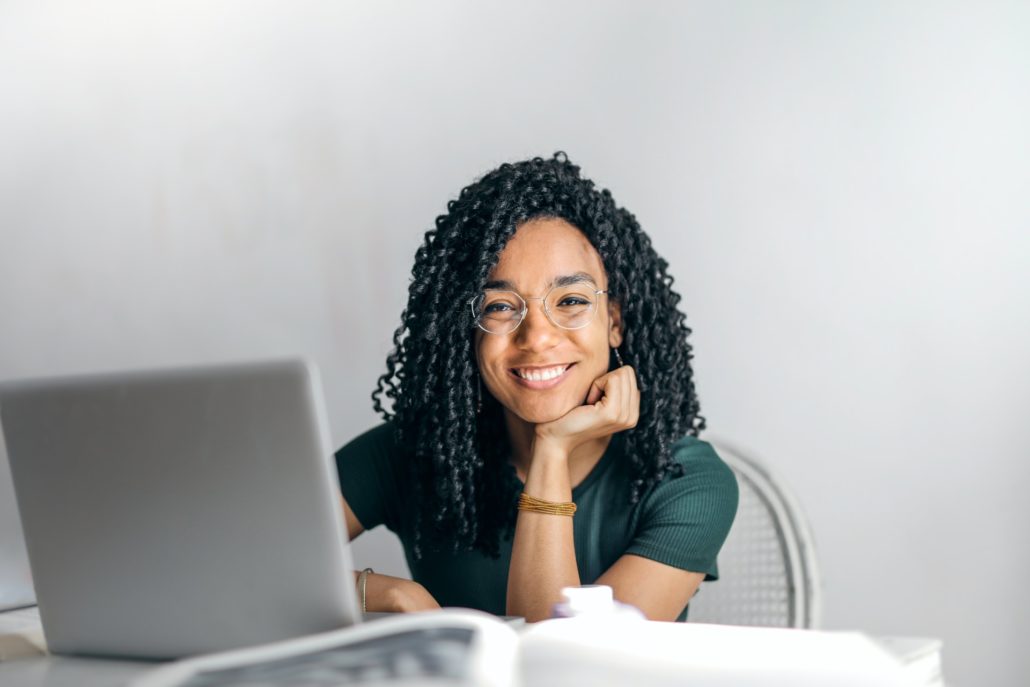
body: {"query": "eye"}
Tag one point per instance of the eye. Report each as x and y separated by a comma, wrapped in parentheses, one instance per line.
(573, 300)
(497, 307)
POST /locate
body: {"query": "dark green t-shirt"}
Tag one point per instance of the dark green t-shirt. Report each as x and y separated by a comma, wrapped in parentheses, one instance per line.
(681, 521)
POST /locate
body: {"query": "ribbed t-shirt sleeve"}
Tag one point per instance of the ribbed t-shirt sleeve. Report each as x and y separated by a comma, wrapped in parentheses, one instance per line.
(366, 467)
(684, 520)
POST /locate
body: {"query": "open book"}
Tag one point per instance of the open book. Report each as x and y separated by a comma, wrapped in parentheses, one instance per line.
(456, 646)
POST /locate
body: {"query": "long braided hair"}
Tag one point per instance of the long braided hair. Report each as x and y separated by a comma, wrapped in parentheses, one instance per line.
(465, 488)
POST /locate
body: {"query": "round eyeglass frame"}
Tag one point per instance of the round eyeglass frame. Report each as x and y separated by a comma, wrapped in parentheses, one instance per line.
(477, 319)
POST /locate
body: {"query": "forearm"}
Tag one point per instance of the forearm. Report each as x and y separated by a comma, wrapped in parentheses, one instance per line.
(395, 594)
(543, 557)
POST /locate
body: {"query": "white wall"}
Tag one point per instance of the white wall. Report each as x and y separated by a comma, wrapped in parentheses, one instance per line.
(840, 188)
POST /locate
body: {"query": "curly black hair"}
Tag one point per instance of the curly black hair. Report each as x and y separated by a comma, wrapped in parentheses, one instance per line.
(465, 487)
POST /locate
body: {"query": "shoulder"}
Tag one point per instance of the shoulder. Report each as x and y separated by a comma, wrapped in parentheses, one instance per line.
(707, 481)
(685, 518)
(369, 468)
(377, 446)
(380, 437)
(700, 457)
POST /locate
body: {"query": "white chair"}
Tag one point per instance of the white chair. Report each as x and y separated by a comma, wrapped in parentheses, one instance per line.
(768, 573)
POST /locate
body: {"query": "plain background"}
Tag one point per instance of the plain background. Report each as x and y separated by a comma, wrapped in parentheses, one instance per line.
(841, 190)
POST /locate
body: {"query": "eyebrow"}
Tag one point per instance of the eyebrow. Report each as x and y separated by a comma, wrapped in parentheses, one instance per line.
(564, 280)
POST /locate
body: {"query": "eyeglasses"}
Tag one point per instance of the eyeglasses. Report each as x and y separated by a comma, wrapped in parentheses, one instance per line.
(568, 307)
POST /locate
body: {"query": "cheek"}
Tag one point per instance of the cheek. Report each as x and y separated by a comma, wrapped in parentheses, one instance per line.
(597, 353)
(489, 354)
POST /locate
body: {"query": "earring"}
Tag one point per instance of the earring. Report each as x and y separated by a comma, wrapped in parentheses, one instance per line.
(618, 357)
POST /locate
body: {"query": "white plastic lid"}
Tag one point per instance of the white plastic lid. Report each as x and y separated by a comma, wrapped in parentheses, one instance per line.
(590, 598)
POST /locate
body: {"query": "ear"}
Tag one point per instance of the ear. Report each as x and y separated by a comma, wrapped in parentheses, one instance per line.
(614, 323)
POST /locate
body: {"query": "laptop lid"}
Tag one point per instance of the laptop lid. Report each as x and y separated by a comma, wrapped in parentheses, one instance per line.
(173, 512)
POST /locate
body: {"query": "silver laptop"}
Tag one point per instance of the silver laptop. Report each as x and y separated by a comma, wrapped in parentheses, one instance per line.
(169, 513)
(15, 578)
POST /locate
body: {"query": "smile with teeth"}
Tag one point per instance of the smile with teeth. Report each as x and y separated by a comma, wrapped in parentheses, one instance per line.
(541, 374)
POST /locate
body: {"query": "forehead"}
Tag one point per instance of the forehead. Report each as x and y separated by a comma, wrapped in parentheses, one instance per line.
(544, 249)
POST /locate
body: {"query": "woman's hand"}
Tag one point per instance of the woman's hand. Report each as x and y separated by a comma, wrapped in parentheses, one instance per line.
(612, 405)
(396, 595)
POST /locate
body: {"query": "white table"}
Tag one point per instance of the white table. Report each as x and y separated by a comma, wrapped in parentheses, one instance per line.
(59, 671)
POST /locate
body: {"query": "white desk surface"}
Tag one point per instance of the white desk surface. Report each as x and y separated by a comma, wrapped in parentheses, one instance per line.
(59, 671)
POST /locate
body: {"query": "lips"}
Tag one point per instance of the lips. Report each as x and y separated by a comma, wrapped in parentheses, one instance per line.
(541, 376)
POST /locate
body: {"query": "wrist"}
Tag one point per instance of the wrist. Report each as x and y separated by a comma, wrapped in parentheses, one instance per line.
(549, 448)
(411, 597)
(397, 600)
(548, 475)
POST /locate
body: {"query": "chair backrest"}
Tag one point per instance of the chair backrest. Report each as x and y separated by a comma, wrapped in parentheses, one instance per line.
(768, 573)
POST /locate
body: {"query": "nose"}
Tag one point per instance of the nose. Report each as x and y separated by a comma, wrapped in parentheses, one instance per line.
(537, 332)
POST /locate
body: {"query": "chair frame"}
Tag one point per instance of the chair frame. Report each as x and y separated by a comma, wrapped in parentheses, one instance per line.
(795, 535)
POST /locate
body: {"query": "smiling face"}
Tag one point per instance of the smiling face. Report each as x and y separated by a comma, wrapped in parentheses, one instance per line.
(540, 371)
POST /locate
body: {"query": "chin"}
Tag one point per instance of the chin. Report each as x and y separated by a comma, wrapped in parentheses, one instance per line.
(541, 418)
(545, 412)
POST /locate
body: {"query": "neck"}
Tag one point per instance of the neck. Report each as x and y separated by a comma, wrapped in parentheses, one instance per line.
(522, 435)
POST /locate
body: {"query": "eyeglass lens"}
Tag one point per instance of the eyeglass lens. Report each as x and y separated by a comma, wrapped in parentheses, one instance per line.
(569, 307)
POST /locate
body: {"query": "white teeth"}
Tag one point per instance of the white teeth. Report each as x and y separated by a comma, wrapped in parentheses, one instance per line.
(540, 375)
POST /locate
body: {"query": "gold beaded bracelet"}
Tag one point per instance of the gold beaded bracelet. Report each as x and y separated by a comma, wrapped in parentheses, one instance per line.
(527, 502)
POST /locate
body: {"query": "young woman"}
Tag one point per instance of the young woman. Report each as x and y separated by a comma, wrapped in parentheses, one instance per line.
(543, 430)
